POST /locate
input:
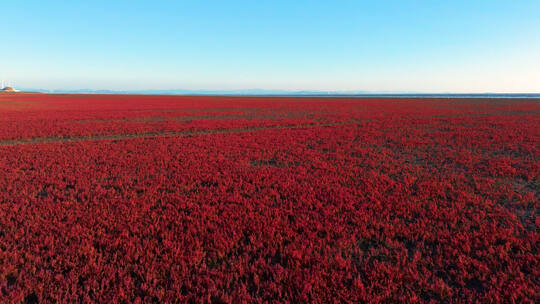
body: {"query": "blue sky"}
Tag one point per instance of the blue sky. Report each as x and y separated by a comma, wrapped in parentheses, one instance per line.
(398, 46)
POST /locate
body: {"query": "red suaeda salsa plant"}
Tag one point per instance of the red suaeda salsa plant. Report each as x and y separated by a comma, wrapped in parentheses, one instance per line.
(166, 199)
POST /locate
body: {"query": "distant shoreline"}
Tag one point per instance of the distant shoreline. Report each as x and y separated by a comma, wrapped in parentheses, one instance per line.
(286, 94)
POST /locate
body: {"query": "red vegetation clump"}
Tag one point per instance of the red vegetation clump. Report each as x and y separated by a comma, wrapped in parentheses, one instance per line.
(115, 199)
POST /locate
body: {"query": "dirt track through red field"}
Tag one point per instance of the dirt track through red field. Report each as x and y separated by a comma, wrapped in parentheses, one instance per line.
(31, 141)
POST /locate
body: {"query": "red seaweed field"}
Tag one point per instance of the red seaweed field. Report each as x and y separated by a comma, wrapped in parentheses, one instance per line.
(194, 199)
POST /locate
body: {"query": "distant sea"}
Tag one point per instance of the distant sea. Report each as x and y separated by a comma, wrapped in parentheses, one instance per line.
(283, 93)
(479, 95)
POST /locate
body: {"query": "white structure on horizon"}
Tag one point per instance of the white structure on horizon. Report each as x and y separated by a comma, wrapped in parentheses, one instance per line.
(7, 88)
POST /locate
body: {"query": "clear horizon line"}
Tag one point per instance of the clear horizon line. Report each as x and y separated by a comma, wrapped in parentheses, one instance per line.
(272, 91)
